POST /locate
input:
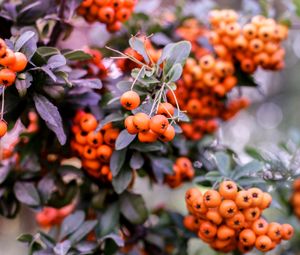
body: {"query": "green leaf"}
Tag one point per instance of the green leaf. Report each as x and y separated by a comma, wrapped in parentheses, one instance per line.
(71, 224)
(244, 79)
(109, 219)
(139, 46)
(47, 51)
(223, 163)
(25, 238)
(136, 161)
(297, 6)
(254, 153)
(175, 73)
(88, 83)
(122, 180)
(145, 147)
(23, 39)
(124, 139)
(4, 171)
(83, 231)
(78, 55)
(50, 114)
(27, 193)
(56, 61)
(62, 248)
(114, 117)
(246, 170)
(161, 166)
(133, 208)
(213, 176)
(116, 238)
(23, 85)
(117, 160)
(177, 54)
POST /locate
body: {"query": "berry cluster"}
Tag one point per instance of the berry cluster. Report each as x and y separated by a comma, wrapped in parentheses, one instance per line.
(295, 199)
(94, 148)
(257, 43)
(11, 63)
(201, 93)
(51, 216)
(229, 219)
(183, 171)
(149, 129)
(94, 66)
(110, 12)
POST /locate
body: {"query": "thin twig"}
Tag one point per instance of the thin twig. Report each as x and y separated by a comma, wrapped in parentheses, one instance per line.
(136, 78)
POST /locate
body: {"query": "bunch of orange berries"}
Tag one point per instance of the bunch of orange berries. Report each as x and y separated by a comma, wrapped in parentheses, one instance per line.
(149, 129)
(183, 171)
(11, 63)
(51, 216)
(229, 219)
(93, 147)
(95, 66)
(201, 93)
(295, 199)
(257, 43)
(110, 12)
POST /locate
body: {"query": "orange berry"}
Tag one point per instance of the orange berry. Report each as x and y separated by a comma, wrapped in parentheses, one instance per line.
(249, 31)
(260, 227)
(192, 194)
(236, 222)
(168, 135)
(123, 14)
(91, 165)
(252, 213)
(257, 196)
(114, 27)
(159, 124)
(166, 109)
(141, 121)
(106, 14)
(147, 137)
(266, 201)
(274, 231)
(20, 63)
(89, 152)
(8, 58)
(225, 232)
(7, 77)
(287, 231)
(110, 136)
(3, 47)
(247, 237)
(243, 199)
(86, 3)
(207, 62)
(256, 45)
(104, 152)
(228, 208)
(208, 229)
(212, 198)
(130, 126)
(263, 243)
(88, 122)
(94, 139)
(228, 190)
(81, 137)
(214, 216)
(3, 128)
(199, 206)
(130, 100)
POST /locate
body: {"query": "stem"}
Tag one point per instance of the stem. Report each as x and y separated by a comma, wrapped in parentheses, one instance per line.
(136, 78)
(157, 99)
(129, 57)
(2, 104)
(175, 98)
(58, 28)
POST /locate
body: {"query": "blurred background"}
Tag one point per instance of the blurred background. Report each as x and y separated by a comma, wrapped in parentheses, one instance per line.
(273, 116)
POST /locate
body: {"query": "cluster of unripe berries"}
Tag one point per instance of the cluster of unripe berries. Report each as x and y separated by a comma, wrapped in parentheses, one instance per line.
(183, 171)
(230, 219)
(295, 199)
(93, 147)
(201, 93)
(110, 12)
(11, 63)
(257, 43)
(149, 129)
(51, 216)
